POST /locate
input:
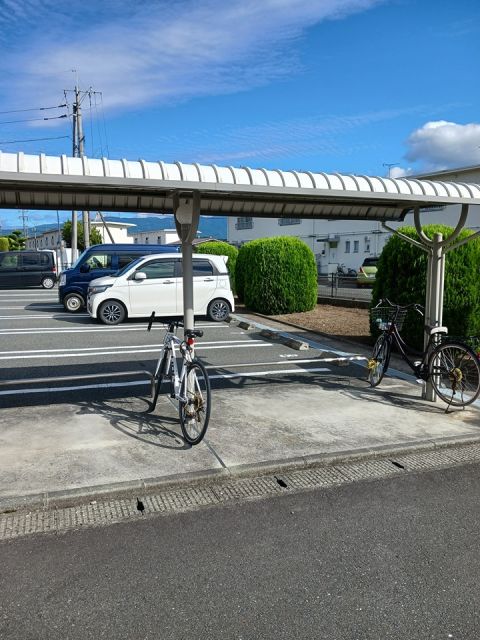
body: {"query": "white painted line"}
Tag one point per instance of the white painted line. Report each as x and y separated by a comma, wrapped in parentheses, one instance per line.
(33, 306)
(109, 385)
(254, 374)
(150, 347)
(44, 316)
(88, 329)
(106, 385)
(128, 350)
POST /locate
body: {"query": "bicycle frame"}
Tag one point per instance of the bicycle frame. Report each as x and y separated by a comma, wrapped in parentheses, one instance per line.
(173, 348)
(419, 367)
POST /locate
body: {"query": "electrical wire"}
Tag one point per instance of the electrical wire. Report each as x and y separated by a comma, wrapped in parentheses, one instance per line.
(60, 106)
(32, 140)
(33, 119)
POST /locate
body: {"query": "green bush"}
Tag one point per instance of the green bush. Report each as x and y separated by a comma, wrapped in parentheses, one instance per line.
(402, 276)
(277, 275)
(219, 248)
(4, 244)
(241, 270)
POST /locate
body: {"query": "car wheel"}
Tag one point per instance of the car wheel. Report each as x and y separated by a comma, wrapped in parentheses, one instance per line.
(111, 312)
(218, 310)
(73, 302)
(48, 282)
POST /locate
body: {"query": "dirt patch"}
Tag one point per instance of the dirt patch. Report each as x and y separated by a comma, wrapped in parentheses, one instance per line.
(346, 322)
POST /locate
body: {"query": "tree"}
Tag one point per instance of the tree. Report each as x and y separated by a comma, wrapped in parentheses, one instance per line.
(4, 244)
(95, 237)
(277, 275)
(17, 241)
(401, 277)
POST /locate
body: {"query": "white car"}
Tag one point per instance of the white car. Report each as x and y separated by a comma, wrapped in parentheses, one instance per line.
(154, 283)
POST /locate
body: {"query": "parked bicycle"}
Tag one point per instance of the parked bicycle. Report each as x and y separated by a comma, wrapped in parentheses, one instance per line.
(189, 385)
(450, 365)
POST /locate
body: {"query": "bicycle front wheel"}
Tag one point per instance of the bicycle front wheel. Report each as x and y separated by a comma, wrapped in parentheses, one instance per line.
(378, 363)
(454, 371)
(195, 412)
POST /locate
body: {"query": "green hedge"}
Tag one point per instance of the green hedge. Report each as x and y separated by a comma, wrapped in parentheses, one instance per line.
(277, 275)
(219, 248)
(4, 244)
(402, 275)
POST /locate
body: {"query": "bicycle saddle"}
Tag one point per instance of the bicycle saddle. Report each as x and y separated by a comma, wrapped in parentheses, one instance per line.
(193, 333)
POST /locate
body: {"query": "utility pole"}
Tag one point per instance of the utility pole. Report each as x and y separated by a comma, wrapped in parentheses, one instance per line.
(78, 152)
(24, 218)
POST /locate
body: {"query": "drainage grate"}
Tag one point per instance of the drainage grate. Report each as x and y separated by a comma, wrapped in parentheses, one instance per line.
(177, 500)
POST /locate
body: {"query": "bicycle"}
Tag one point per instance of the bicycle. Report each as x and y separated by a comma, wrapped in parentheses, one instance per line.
(189, 386)
(450, 365)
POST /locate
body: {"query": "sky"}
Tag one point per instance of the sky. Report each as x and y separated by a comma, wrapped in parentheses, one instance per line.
(349, 86)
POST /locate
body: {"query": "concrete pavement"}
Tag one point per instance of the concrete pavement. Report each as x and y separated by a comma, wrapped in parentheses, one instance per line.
(65, 453)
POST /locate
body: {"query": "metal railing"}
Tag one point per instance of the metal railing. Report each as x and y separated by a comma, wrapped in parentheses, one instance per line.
(336, 285)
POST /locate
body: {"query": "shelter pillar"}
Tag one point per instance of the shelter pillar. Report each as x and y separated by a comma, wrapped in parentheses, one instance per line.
(186, 208)
(434, 296)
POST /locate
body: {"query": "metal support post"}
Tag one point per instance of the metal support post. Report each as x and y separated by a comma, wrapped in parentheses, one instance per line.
(434, 296)
(186, 208)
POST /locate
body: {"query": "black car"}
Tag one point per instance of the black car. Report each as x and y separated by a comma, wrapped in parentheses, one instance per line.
(27, 269)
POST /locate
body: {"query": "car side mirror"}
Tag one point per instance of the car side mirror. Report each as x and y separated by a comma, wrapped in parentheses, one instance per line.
(140, 275)
(84, 268)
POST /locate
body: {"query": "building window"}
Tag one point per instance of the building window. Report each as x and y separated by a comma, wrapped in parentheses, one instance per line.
(284, 221)
(355, 246)
(244, 223)
(146, 240)
(347, 246)
(159, 239)
(135, 241)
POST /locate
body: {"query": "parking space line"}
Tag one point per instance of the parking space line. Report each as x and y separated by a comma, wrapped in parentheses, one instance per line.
(128, 350)
(109, 385)
(88, 329)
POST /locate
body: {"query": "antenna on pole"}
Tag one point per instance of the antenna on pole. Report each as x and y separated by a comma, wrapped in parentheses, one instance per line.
(389, 165)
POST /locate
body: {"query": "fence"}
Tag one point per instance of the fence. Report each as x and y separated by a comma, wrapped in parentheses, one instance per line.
(342, 287)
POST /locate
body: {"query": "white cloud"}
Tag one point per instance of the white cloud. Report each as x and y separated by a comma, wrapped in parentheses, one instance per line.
(154, 52)
(442, 145)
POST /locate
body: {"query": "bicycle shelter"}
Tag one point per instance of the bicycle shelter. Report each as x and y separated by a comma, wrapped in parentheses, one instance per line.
(90, 184)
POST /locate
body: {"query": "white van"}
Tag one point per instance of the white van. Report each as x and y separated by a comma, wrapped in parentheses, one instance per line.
(154, 283)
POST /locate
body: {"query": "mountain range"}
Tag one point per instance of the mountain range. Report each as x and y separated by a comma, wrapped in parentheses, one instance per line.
(209, 226)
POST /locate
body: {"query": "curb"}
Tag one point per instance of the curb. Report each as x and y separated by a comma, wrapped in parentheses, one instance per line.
(143, 487)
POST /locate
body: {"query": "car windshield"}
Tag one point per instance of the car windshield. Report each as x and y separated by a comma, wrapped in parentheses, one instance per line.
(79, 259)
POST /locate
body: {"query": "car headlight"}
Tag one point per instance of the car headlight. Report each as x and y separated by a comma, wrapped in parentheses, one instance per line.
(63, 279)
(99, 289)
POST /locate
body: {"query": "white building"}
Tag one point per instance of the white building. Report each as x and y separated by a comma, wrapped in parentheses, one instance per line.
(156, 236)
(337, 242)
(52, 238)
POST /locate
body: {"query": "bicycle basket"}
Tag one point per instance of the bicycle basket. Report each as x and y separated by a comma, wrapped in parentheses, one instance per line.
(382, 317)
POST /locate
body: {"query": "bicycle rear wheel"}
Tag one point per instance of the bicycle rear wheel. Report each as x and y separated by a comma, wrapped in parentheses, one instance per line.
(378, 363)
(195, 412)
(454, 371)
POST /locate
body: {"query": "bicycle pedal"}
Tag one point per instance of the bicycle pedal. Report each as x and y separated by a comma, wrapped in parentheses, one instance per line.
(420, 381)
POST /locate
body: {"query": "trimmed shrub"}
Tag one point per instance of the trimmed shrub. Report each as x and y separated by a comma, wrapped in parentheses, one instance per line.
(277, 275)
(402, 276)
(4, 244)
(219, 248)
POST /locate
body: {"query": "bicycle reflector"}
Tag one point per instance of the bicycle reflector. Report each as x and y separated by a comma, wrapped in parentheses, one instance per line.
(190, 341)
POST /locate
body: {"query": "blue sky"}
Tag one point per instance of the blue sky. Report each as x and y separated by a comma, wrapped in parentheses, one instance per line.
(319, 85)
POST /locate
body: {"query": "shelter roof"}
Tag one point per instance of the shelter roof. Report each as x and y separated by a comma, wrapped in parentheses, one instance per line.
(62, 182)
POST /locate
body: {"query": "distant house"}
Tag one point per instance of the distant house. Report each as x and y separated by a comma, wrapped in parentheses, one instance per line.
(155, 236)
(52, 238)
(348, 242)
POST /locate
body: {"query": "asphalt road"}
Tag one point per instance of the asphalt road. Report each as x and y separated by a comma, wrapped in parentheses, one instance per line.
(49, 355)
(391, 559)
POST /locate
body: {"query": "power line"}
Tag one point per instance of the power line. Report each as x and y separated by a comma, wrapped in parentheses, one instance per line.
(2, 113)
(33, 119)
(32, 140)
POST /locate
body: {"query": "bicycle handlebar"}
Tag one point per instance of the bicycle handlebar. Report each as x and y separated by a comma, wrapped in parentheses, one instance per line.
(413, 305)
